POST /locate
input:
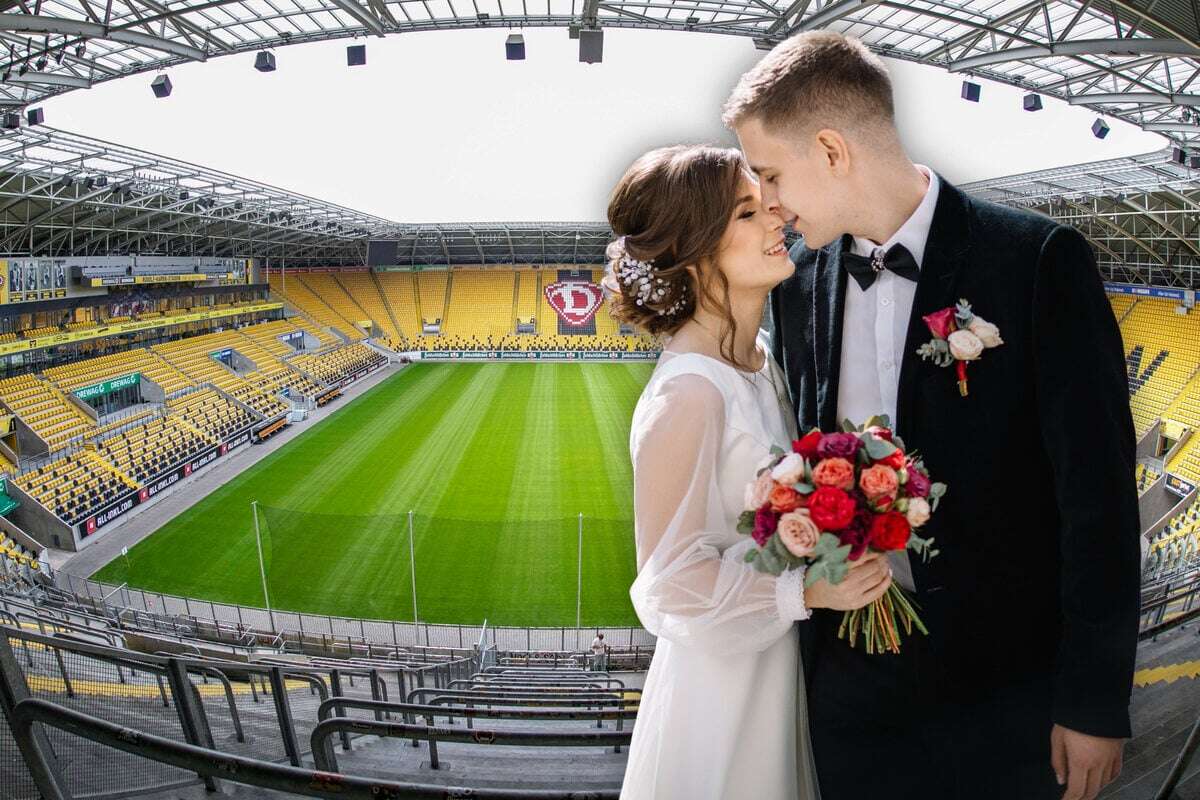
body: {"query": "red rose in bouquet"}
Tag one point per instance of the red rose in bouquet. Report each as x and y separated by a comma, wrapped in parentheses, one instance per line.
(832, 509)
(889, 531)
(806, 447)
(829, 500)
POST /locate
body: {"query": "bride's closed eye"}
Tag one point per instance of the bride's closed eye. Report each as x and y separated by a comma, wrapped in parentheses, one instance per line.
(746, 215)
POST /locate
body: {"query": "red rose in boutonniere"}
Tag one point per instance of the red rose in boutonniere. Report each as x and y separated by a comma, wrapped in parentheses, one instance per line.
(959, 336)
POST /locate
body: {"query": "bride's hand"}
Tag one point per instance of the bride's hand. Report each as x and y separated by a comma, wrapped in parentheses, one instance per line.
(867, 580)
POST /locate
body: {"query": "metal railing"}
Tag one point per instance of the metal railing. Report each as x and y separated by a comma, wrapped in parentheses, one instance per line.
(324, 758)
(301, 627)
(211, 764)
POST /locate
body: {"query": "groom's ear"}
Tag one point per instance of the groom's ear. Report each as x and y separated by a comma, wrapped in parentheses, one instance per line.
(833, 151)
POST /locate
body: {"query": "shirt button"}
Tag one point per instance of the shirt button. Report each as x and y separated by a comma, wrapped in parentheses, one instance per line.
(887, 365)
(885, 302)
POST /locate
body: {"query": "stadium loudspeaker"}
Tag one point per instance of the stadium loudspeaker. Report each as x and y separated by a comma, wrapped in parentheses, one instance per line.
(12, 121)
(264, 62)
(161, 86)
(1178, 155)
(591, 46)
(970, 91)
(572, 31)
(514, 47)
(1032, 102)
(1100, 129)
(35, 116)
(356, 55)
(1194, 162)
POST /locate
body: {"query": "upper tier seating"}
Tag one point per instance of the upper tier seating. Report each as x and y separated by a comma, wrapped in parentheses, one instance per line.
(295, 291)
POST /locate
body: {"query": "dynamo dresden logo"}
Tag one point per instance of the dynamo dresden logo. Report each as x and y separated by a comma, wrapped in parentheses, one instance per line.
(576, 302)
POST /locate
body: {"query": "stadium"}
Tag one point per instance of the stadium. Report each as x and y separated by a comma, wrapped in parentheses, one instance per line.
(298, 500)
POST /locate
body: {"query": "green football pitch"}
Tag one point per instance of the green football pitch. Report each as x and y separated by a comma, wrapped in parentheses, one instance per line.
(496, 462)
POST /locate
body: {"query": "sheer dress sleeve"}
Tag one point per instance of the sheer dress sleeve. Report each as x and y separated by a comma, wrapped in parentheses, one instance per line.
(690, 589)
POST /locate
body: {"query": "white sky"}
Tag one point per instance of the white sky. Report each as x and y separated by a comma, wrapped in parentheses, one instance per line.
(439, 127)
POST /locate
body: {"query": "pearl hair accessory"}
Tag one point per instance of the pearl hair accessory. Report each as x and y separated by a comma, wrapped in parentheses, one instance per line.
(637, 278)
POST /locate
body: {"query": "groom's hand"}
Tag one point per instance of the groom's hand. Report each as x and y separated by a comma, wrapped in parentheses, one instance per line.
(1086, 764)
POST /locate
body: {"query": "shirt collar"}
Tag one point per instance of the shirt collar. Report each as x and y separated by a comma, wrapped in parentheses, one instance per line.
(915, 230)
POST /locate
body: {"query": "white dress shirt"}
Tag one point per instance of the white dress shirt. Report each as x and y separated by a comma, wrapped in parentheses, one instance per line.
(875, 322)
(874, 329)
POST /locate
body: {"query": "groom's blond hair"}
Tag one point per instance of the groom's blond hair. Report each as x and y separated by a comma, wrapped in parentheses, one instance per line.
(811, 81)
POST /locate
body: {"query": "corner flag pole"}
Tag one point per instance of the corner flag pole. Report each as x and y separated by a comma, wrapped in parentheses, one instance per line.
(262, 570)
(579, 572)
(412, 564)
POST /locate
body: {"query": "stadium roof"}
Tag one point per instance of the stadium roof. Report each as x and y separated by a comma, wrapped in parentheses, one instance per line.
(1141, 213)
(1135, 59)
(65, 194)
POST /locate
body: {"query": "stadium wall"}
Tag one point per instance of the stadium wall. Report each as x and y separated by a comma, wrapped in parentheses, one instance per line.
(527, 355)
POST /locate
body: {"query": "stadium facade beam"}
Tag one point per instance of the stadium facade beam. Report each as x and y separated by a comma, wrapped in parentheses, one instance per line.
(28, 23)
(50, 79)
(183, 24)
(1165, 224)
(1079, 47)
(831, 14)
(369, 20)
(1141, 98)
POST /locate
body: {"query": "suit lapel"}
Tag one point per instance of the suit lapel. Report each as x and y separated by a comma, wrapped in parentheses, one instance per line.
(945, 252)
(829, 305)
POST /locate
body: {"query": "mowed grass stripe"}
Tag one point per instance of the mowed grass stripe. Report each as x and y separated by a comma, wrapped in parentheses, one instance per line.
(368, 573)
(495, 459)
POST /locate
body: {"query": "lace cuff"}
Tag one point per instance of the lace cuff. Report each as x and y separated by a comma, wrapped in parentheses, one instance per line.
(789, 595)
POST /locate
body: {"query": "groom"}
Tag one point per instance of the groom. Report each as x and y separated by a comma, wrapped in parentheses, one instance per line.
(1021, 690)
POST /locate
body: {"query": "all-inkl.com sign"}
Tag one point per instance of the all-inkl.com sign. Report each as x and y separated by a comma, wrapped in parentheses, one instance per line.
(126, 503)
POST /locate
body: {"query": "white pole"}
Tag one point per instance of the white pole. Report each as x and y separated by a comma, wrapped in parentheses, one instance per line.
(579, 572)
(412, 564)
(262, 570)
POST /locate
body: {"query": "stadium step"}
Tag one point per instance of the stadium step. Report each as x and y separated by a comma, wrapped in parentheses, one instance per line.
(581, 768)
(104, 465)
(386, 303)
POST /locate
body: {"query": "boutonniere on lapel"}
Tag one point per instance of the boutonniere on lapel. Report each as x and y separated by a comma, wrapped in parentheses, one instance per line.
(959, 336)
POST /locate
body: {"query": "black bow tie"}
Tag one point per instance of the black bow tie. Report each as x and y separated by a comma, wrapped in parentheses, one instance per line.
(864, 269)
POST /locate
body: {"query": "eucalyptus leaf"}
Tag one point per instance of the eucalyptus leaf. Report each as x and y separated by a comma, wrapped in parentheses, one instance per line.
(746, 522)
(849, 427)
(770, 562)
(878, 421)
(878, 448)
(826, 543)
(776, 450)
(837, 572)
(814, 573)
(750, 556)
(804, 488)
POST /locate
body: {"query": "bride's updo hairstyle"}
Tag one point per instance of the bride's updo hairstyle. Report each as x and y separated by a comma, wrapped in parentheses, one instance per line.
(670, 210)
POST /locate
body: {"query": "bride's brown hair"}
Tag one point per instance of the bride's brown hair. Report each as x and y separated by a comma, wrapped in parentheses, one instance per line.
(672, 206)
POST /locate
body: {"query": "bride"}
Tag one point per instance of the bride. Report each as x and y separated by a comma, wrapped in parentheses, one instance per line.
(721, 715)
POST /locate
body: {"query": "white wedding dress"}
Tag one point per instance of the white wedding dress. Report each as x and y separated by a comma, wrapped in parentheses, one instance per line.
(721, 715)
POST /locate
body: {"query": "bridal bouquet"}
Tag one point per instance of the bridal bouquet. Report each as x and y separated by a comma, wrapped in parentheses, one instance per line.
(829, 500)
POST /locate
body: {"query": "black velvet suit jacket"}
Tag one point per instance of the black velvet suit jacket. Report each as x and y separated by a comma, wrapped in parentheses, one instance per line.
(1038, 578)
